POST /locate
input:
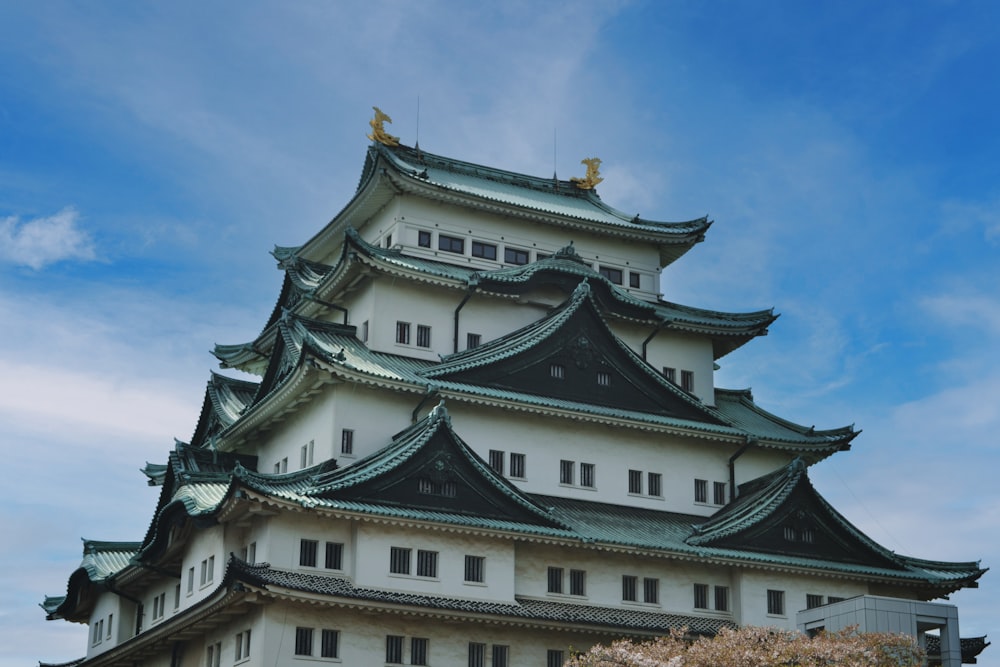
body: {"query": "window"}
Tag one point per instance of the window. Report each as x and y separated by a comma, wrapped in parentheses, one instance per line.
(111, 618)
(473, 340)
(242, 645)
(306, 455)
(701, 596)
(587, 475)
(307, 552)
(496, 461)
(474, 569)
(403, 333)
(364, 331)
(423, 335)
(832, 599)
(418, 651)
(635, 481)
(629, 585)
(776, 603)
(557, 371)
(399, 560)
(603, 379)
(554, 658)
(303, 641)
(517, 465)
(347, 441)
(159, 603)
(555, 580)
(655, 487)
(477, 654)
(213, 655)
(633, 279)
(577, 582)
(719, 493)
(388, 240)
(451, 244)
(424, 239)
(334, 556)
(249, 552)
(808, 535)
(501, 655)
(207, 570)
(566, 469)
(98, 632)
(515, 256)
(670, 374)
(813, 601)
(687, 381)
(722, 598)
(651, 590)
(281, 466)
(190, 588)
(329, 646)
(427, 563)
(791, 535)
(429, 487)
(484, 250)
(700, 491)
(614, 275)
(394, 649)
(177, 597)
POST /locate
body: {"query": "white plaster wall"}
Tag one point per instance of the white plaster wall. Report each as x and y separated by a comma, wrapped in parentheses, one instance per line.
(286, 530)
(311, 421)
(206, 542)
(754, 584)
(108, 604)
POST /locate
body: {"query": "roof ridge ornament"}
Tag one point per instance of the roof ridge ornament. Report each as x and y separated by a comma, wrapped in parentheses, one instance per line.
(568, 252)
(378, 131)
(593, 176)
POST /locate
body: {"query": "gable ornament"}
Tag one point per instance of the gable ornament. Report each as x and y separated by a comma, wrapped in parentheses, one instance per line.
(378, 130)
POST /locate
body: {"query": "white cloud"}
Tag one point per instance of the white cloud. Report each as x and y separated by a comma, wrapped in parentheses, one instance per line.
(41, 241)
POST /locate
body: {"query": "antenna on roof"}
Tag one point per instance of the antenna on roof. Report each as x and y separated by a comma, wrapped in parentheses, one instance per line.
(555, 178)
(416, 143)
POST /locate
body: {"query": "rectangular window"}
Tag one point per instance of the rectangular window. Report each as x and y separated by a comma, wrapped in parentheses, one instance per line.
(630, 585)
(603, 379)
(701, 596)
(329, 646)
(501, 655)
(190, 588)
(776, 603)
(364, 331)
(722, 598)
(473, 340)
(475, 569)
(424, 239)
(388, 240)
(177, 597)
(612, 274)
(477, 654)
(207, 570)
(213, 655)
(394, 649)
(633, 279)
(554, 658)
(555, 580)
(577, 582)
(427, 563)
(700, 491)
(719, 493)
(655, 487)
(515, 256)
(307, 552)
(306, 455)
(557, 371)
(517, 467)
(813, 601)
(832, 599)
(484, 250)
(496, 461)
(277, 468)
(111, 618)
(403, 333)
(399, 560)
(451, 244)
(418, 651)
(423, 335)
(334, 556)
(242, 645)
(566, 469)
(587, 475)
(670, 374)
(687, 381)
(635, 481)
(651, 590)
(303, 641)
(347, 441)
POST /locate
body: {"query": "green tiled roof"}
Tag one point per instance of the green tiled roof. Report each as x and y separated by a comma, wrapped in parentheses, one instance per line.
(739, 409)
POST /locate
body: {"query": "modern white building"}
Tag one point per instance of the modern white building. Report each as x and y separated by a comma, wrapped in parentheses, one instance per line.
(480, 437)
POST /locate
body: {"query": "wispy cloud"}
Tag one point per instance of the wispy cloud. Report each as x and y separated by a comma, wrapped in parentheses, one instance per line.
(39, 242)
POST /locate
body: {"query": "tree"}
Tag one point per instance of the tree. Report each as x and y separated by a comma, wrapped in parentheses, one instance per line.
(759, 647)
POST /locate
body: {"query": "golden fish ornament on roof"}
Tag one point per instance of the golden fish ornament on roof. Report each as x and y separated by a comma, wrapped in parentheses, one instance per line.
(378, 131)
(592, 178)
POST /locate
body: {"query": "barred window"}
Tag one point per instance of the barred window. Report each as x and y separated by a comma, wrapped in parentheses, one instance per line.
(399, 560)
(604, 378)
(329, 646)
(655, 487)
(719, 493)
(722, 598)
(629, 585)
(670, 374)
(701, 596)
(635, 481)
(500, 655)
(813, 601)
(517, 467)
(776, 603)
(700, 491)
(687, 381)
(555, 580)
(334, 556)
(566, 469)
(577, 582)
(474, 569)
(557, 371)
(347, 441)
(423, 335)
(496, 461)
(473, 340)
(554, 658)
(427, 563)
(403, 333)
(307, 552)
(587, 475)
(303, 641)
(651, 590)
(418, 651)
(394, 649)
(477, 654)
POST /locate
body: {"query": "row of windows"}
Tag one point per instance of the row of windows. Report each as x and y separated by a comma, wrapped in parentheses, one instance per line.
(650, 589)
(557, 581)
(687, 378)
(403, 334)
(701, 492)
(329, 642)
(394, 644)
(654, 483)
(333, 554)
(587, 477)
(98, 635)
(308, 450)
(517, 463)
(558, 372)
(701, 597)
(207, 574)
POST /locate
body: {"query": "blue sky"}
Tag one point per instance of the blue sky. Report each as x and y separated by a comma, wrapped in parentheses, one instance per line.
(152, 154)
